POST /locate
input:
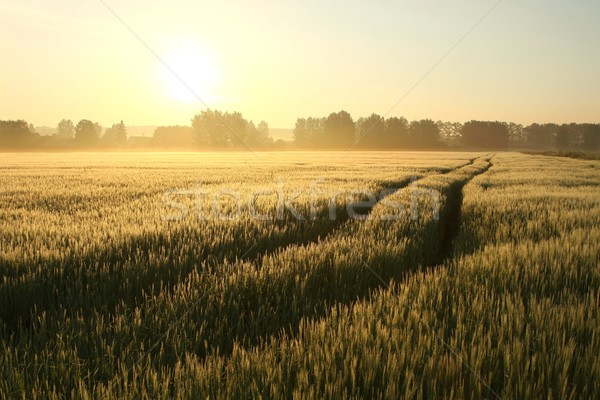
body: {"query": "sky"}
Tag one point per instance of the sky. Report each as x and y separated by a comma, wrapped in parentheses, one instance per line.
(526, 61)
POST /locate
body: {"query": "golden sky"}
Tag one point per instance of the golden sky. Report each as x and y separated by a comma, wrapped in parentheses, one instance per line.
(276, 61)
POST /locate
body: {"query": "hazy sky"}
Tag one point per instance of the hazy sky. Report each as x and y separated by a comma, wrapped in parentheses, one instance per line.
(529, 60)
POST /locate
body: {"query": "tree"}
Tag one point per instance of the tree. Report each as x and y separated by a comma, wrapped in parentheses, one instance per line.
(237, 129)
(485, 134)
(65, 129)
(576, 136)
(338, 130)
(591, 137)
(540, 135)
(516, 134)
(121, 133)
(258, 136)
(263, 131)
(116, 135)
(213, 128)
(371, 131)
(98, 129)
(424, 133)
(445, 129)
(396, 131)
(307, 131)
(497, 134)
(563, 137)
(86, 133)
(449, 132)
(209, 129)
(14, 134)
(301, 134)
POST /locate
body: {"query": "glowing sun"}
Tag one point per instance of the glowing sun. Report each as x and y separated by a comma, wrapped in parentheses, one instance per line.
(189, 67)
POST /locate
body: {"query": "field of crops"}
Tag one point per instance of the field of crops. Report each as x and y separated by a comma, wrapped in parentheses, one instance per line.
(299, 275)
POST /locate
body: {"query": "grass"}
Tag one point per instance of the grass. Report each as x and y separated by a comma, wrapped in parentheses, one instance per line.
(495, 295)
(571, 154)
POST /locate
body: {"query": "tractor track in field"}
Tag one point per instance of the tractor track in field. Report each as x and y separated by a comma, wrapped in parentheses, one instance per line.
(277, 323)
(450, 226)
(56, 287)
(285, 318)
(335, 224)
(21, 324)
(390, 188)
(454, 217)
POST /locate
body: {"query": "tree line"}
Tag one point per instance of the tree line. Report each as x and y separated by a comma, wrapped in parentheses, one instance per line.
(86, 134)
(217, 130)
(211, 130)
(339, 130)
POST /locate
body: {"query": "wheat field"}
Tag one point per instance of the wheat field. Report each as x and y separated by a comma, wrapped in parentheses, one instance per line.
(299, 275)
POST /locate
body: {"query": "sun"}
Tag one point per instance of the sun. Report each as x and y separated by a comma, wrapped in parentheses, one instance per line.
(189, 66)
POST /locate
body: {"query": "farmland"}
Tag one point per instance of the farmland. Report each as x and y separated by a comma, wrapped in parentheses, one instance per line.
(299, 275)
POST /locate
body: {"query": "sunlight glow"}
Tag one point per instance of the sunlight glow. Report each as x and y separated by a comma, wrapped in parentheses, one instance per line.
(196, 66)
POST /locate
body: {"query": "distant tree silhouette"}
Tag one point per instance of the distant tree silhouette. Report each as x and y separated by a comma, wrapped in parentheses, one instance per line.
(17, 134)
(446, 129)
(86, 133)
(116, 135)
(175, 136)
(98, 128)
(302, 136)
(258, 136)
(238, 129)
(121, 133)
(576, 136)
(338, 131)
(424, 133)
(449, 132)
(497, 134)
(396, 132)
(209, 130)
(65, 129)
(591, 137)
(263, 131)
(563, 137)
(215, 129)
(485, 134)
(307, 130)
(370, 132)
(541, 136)
(516, 134)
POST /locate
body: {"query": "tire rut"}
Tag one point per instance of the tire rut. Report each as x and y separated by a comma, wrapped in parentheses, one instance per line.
(453, 217)
(284, 318)
(314, 308)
